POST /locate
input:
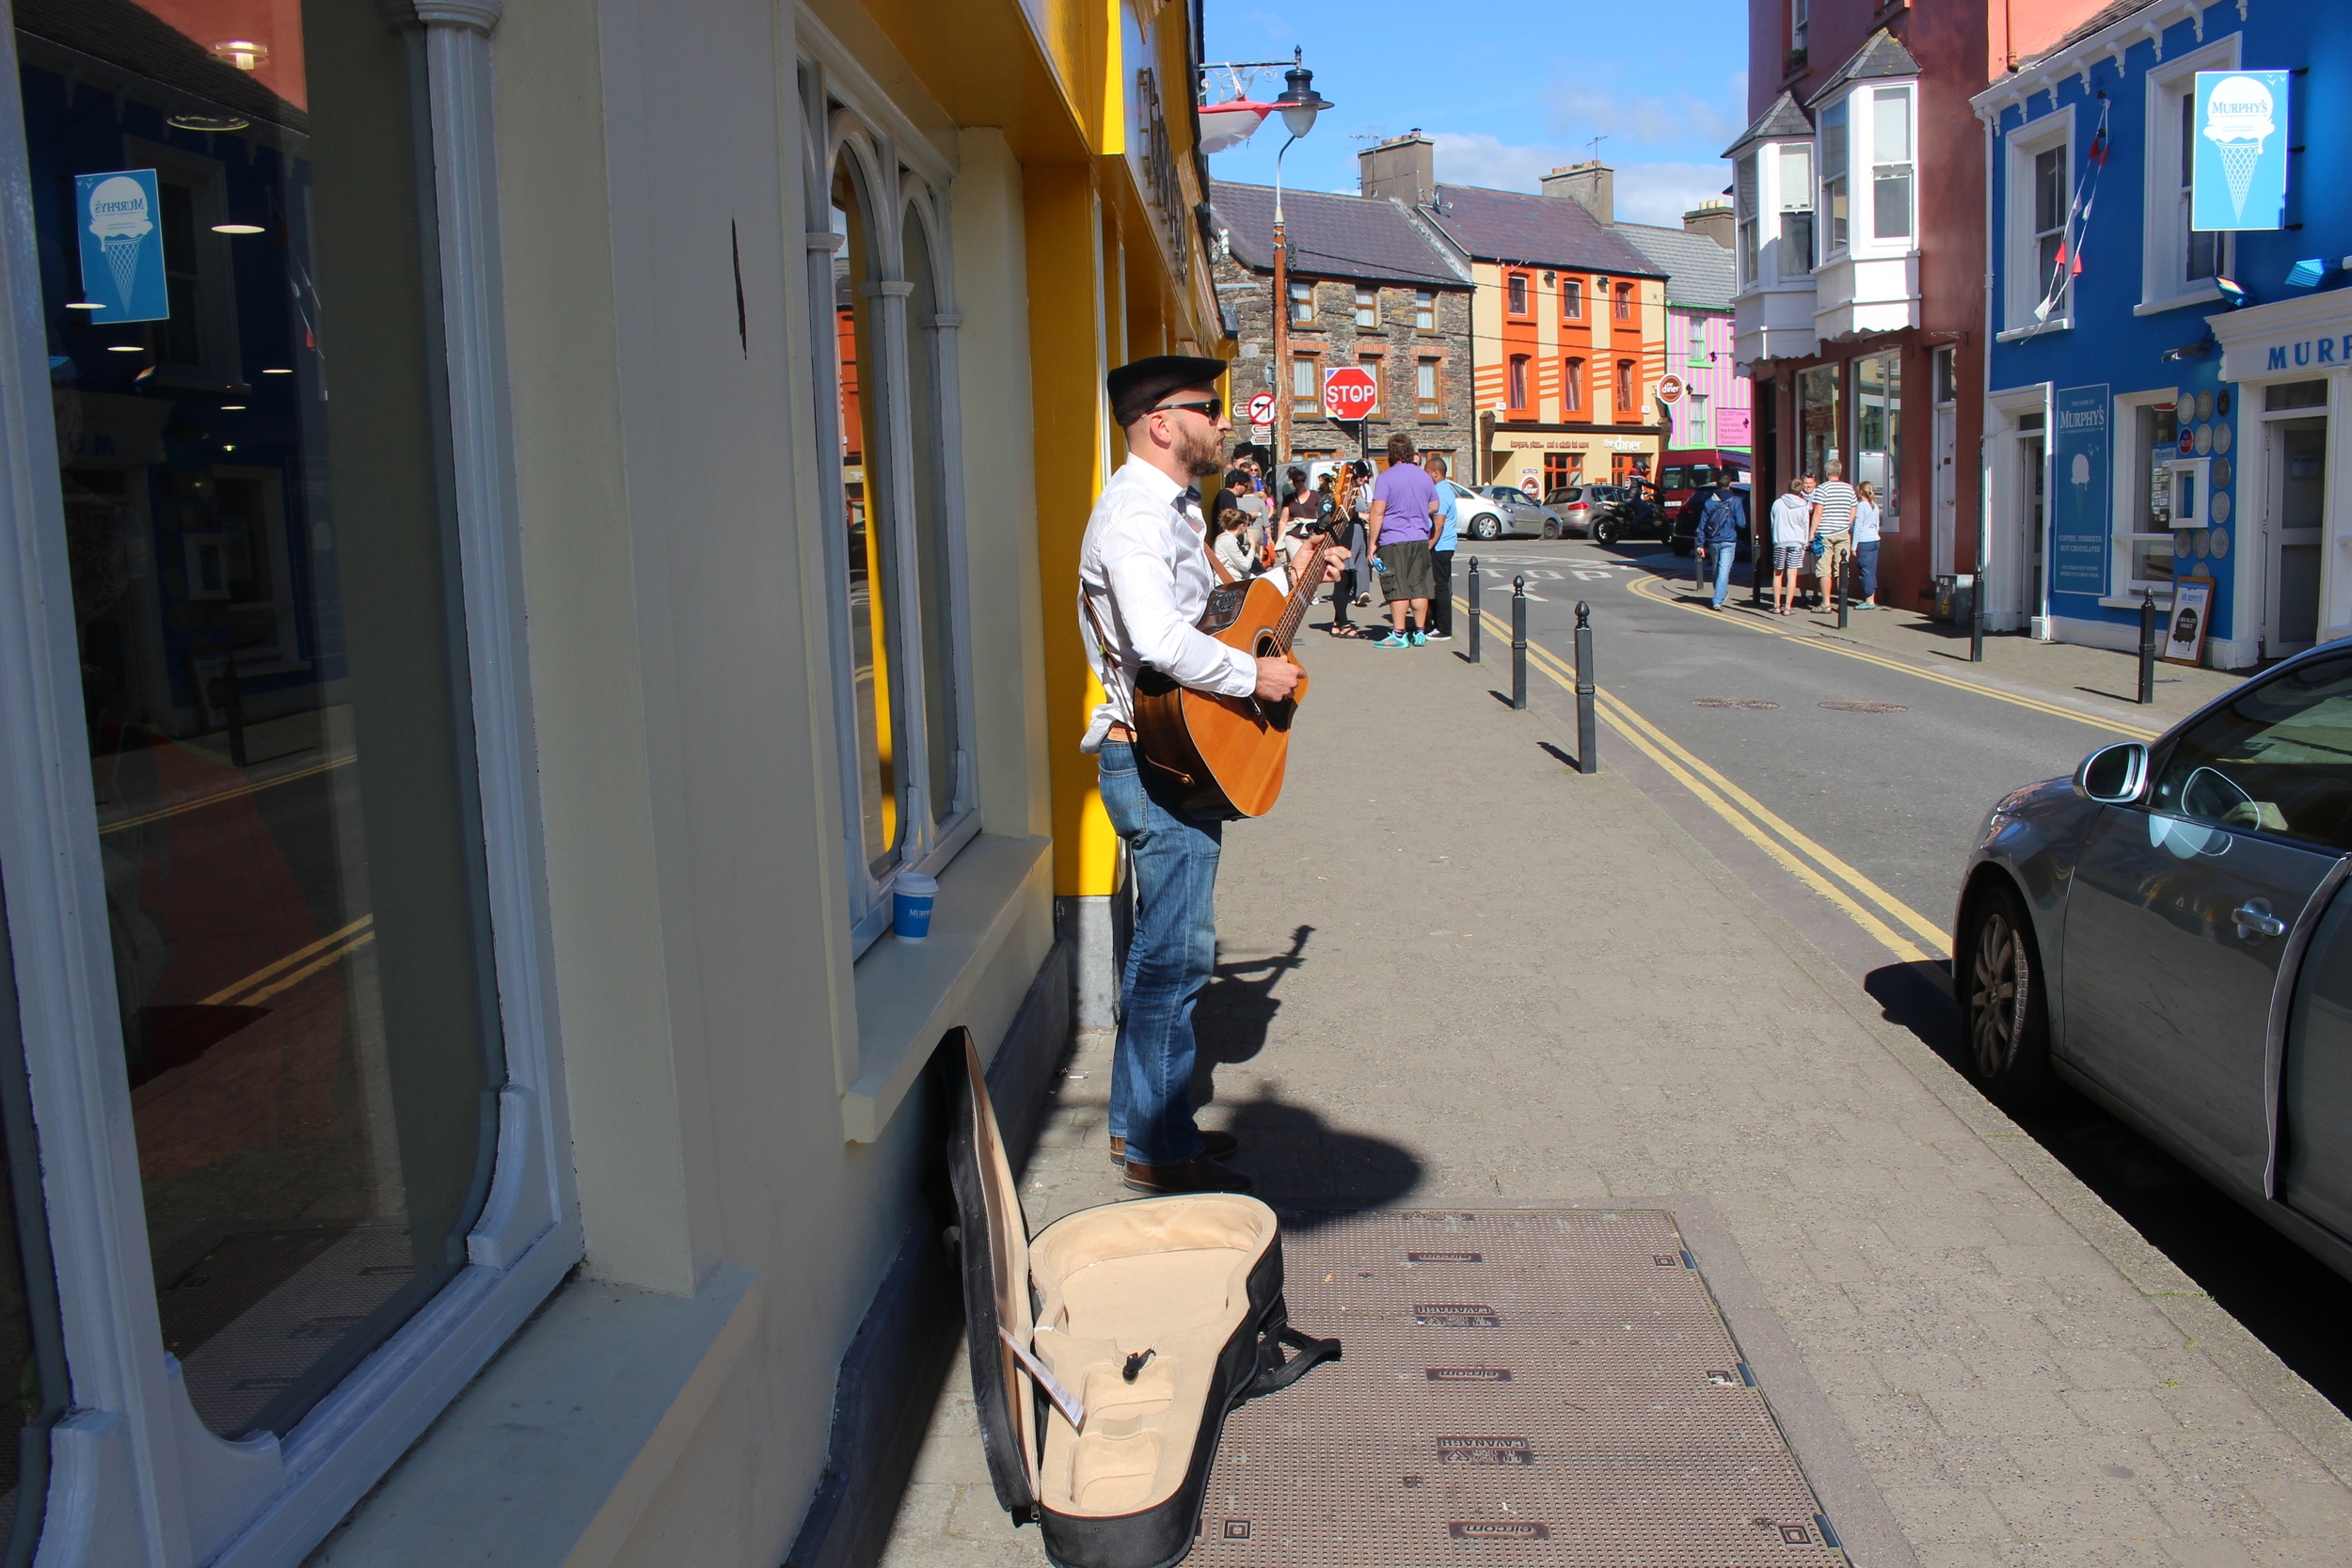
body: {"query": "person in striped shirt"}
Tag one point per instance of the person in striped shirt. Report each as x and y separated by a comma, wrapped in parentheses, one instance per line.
(1834, 503)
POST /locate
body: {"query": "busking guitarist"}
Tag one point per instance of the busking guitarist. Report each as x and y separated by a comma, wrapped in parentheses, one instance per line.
(1144, 578)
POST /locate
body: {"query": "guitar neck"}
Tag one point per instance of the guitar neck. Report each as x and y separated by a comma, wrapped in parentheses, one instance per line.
(1303, 588)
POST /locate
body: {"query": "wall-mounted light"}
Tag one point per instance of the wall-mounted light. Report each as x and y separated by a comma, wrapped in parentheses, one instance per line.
(208, 122)
(2233, 296)
(238, 228)
(244, 54)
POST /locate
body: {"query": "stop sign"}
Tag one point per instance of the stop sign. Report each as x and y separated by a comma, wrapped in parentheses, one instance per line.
(1350, 392)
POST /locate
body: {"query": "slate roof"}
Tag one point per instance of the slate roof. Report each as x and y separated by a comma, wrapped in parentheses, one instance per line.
(1880, 57)
(1355, 237)
(1785, 119)
(1699, 271)
(1539, 231)
(2107, 16)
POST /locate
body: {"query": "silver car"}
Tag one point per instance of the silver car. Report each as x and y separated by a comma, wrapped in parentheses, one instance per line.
(2168, 931)
(1506, 510)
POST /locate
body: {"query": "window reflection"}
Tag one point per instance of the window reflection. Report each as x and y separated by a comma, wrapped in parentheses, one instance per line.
(865, 489)
(32, 1347)
(273, 667)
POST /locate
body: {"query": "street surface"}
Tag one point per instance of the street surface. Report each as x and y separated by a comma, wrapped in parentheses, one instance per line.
(1454, 976)
(1880, 810)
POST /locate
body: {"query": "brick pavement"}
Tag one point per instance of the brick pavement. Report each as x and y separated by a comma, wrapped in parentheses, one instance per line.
(1452, 973)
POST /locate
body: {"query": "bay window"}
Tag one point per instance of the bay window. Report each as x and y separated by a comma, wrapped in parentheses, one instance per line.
(284, 1031)
(1746, 195)
(1795, 254)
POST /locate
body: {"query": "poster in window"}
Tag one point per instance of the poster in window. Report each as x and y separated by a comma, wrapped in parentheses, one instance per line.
(2185, 630)
(122, 245)
(2079, 476)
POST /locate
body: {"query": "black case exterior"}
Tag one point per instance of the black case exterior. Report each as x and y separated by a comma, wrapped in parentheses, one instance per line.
(1253, 1362)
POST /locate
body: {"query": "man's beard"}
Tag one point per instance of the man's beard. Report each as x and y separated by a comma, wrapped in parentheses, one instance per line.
(1201, 456)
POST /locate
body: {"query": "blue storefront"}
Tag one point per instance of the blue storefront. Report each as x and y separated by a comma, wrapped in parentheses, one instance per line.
(2172, 330)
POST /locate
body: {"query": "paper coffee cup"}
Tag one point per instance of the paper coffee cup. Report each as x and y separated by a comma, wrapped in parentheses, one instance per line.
(911, 900)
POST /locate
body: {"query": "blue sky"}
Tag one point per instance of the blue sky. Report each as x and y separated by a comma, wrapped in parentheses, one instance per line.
(1499, 87)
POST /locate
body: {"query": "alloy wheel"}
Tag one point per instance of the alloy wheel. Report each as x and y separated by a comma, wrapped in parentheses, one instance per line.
(1995, 982)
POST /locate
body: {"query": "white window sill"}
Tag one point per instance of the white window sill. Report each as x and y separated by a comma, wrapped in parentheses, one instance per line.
(552, 1455)
(908, 993)
(2205, 295)
(2019, 334)
(2131, 601)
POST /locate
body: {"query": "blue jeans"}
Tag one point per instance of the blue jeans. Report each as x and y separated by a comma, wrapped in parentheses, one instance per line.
(1170, 959)
(1721, 555)
(1867, 555)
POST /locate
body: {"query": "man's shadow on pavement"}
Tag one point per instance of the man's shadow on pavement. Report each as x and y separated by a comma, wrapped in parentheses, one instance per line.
(1300, 1160)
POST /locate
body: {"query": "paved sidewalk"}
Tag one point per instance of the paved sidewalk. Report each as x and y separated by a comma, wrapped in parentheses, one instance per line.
(1453, 973)
(2099, 680)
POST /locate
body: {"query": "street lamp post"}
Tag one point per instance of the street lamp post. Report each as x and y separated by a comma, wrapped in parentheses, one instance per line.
(1299, 104)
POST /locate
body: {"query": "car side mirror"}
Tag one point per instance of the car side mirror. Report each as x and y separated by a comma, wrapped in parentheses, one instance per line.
(2113, 775)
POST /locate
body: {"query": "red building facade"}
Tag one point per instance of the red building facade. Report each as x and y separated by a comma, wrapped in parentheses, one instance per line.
(1858, 196)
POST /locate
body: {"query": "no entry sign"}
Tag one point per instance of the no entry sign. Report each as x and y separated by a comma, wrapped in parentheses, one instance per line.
(1262, 408)
(1350, 392)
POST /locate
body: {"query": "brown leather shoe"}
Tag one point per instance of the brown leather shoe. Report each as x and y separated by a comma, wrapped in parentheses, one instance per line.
(1217, 1146)
(1204, 1175)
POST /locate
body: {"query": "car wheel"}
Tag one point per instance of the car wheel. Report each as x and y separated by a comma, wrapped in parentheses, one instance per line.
(1552, 530)
(1485, 526)
(2005, 1020)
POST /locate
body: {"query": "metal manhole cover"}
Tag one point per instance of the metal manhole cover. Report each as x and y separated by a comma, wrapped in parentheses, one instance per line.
(1520, 1389)
(1866, 707)
(1755, 704)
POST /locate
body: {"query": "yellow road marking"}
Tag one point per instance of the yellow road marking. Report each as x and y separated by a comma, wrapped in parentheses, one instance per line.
(1654, 590)
(262, 974)
(1794, 851)
(236, 793)
(289, 982)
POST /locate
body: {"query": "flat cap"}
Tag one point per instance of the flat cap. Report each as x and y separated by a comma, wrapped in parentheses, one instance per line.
(1134, 388)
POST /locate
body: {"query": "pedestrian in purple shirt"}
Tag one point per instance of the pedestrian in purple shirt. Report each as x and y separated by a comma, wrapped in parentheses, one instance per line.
(1404, 508)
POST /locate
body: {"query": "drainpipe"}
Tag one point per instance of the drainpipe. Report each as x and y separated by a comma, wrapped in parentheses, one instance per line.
(1985, 409)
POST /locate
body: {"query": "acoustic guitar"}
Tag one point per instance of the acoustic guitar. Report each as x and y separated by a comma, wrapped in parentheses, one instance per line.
(1226, 755)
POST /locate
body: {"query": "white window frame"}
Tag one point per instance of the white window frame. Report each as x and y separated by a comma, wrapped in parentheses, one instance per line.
(2123, 495)
(149, 1484)
(1789, 196)
(1829, 245)
(849, 117)
(2021, 280)
(2164, 283)
(215, 367)
(1747, 215)
(1367, 305)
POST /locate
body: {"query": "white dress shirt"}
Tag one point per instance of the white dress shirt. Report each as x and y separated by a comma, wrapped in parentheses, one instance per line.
(1144, 570)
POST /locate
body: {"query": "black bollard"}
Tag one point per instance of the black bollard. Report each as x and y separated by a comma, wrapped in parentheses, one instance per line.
(1587, 722)
(1518, 643)
(1473, 610)
(2147, 645)
(1975, 615)
(1842, 605)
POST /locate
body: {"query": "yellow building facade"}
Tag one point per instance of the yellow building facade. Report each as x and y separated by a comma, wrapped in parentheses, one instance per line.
(1567, 378)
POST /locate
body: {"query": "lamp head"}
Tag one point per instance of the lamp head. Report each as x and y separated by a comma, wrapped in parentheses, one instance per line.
(1299, 102)
(2233, 296)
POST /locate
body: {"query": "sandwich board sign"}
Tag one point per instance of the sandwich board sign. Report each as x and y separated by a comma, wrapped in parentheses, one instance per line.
(2238, 155)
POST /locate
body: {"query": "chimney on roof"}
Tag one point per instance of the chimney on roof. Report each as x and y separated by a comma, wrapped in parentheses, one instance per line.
(1591, 184)
(1405, 167)
(1713, 219)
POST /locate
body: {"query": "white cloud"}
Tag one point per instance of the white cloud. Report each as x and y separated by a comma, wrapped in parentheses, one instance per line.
(1644, 121)
(1662, 193)
(1645, 192)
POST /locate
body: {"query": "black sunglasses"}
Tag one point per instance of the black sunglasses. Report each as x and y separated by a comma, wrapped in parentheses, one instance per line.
(1209, 410)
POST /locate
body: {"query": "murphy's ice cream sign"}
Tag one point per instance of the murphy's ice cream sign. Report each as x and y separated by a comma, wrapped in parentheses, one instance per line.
(2239, 163)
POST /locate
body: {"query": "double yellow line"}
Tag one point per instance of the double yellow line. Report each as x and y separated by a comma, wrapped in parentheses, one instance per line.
(1904, 931)
(1657, 592)
(213, 798)
(296, 967)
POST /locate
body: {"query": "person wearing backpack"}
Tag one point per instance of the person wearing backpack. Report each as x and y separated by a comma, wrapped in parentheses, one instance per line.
(1721, 520)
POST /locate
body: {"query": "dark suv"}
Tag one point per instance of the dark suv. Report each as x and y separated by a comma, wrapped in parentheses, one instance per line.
(1686, 525)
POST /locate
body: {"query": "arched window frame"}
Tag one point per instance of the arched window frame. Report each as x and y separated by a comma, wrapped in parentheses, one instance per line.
(899, 176)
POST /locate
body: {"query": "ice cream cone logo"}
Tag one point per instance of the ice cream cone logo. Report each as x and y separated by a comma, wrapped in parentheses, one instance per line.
(118, 217)
(2237, 123)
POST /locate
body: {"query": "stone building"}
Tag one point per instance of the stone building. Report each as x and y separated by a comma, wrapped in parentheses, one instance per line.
(1371, 283)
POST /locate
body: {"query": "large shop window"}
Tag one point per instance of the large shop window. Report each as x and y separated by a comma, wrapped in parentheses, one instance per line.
(259, 453)
(1878, 433)
(1817, 420)
(886, 361)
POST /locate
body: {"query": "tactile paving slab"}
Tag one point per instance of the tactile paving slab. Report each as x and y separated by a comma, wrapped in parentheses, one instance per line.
(1519, 1388)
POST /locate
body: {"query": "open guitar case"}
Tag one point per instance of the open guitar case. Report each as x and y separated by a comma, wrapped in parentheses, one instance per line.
(1195, 1281)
